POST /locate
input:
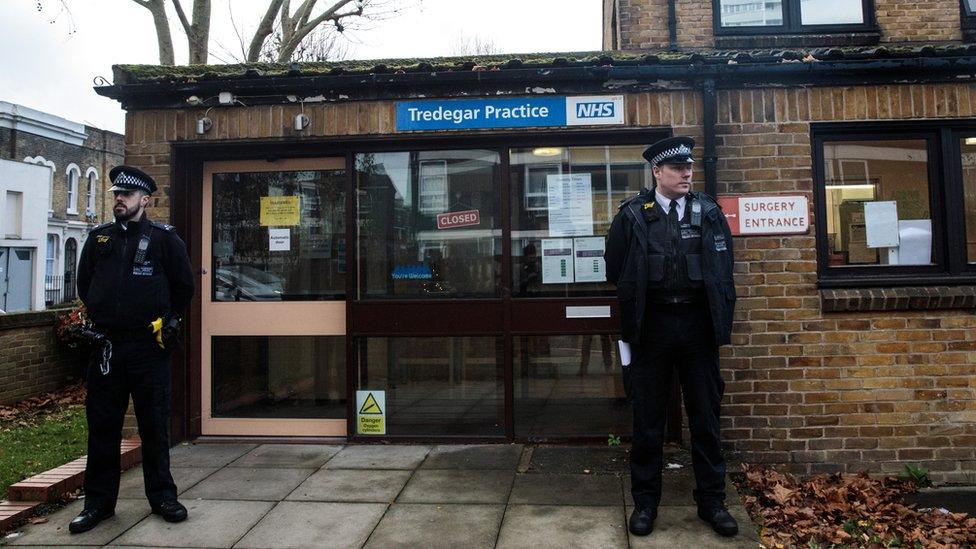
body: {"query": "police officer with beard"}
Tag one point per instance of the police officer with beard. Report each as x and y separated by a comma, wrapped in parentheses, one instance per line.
(669, 252)
(135, 280)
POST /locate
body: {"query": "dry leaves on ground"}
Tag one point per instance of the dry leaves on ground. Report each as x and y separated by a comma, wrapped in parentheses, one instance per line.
(849, 510)
(25, 411)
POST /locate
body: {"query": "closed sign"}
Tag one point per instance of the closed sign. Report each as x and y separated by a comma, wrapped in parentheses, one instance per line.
(450, 220)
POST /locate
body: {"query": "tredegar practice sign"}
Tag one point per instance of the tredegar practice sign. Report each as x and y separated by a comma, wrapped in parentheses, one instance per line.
(510, 112)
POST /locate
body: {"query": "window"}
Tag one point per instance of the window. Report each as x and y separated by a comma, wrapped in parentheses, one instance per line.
(74, 174)
(792, 16)
(13, 215)
(52, 252)
(92, 177)
(898, 204)
(41, 161)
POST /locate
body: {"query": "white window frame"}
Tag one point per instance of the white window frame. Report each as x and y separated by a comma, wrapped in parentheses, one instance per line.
(72, 184)
(52, 247)
(91, 175)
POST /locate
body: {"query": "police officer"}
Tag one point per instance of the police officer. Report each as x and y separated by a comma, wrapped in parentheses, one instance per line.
(669, 252)
(136, 282)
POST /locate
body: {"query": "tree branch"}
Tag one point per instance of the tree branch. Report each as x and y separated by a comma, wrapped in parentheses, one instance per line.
(183, 20)
(164, 39)
(264, 30)
(199, 39)
(288, 46)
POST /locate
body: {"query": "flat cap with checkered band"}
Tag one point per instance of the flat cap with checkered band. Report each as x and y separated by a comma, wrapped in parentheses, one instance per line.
(673, 150)
(127, 178)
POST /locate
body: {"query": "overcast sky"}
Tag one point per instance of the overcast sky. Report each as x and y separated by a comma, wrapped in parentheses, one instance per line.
(50, 66)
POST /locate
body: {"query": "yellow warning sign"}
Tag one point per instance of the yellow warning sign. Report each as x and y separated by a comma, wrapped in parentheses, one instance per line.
(371, 417)
(280, 211)
(370, 406)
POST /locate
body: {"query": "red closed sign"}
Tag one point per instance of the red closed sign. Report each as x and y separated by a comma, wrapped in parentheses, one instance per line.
(450, 220)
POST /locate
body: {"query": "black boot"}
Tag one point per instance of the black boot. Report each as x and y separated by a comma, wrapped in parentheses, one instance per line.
(720, 519)
(642, 521)
(88, 519)
(171, 511)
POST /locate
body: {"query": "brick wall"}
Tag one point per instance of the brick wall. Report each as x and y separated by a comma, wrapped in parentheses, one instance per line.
(902, 21)
(32, 361)
(836, 391)
(808, 390)
(643, 23)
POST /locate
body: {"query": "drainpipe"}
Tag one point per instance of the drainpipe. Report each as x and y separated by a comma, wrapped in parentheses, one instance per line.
(708, 122)
(672, 26)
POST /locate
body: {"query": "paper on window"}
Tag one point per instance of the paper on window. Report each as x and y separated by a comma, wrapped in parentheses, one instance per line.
(570, 199)
(589, 265)
(557, 260)
(881, 224)
(279, 240)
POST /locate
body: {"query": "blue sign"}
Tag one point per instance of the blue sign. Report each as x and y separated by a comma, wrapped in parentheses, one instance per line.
(509, 112)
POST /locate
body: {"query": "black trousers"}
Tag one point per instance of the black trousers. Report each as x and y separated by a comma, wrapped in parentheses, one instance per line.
(676, 339)
(141, 369)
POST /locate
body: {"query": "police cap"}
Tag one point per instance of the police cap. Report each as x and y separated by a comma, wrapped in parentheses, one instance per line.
(127, 178)
(673, 150)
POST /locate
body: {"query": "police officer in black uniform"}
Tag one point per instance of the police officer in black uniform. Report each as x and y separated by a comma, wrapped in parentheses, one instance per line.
(669, 252)
(136, 282)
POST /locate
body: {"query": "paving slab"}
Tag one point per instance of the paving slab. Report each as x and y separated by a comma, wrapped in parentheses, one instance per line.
(458, 486)
(679, 526)
(55, 532)
(434, 526)
(206, 455)
(566, 490)
(372, 485)
(577, 459)
(249, 483)
(378, 456)
(132, 484)
(473, 456)
(298, 456)
(958, 499)
(563, 526)
(210, 524)
(301, 524)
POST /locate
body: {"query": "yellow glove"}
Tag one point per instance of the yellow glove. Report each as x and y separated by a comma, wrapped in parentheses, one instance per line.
(157, 329)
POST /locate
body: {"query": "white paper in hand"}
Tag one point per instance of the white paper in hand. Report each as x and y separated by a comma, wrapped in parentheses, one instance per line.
(624, 352)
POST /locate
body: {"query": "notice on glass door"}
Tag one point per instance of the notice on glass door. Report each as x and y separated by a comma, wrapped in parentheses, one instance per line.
(570, 204)
(557, 260)
(279, 240)
(280, 211)
(589, 264)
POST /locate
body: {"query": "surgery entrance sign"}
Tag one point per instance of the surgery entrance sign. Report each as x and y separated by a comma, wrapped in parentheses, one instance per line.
(510, 112)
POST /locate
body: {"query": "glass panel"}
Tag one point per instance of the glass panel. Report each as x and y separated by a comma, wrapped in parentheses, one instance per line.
(569, 386)
(564, 201)
(970, 6)
(968, 147)
(751, 13)
(861, 172)
(279, 377)
(304, 211)
(428, 224)
(831, 12)
(437, 385)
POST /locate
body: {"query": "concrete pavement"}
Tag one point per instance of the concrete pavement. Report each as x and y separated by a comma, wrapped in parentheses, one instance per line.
(304, 495)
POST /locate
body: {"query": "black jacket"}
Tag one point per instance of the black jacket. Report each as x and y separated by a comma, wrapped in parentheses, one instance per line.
(120, 294)
(626, 257)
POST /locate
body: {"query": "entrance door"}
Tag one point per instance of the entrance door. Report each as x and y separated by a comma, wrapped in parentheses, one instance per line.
(273, 298)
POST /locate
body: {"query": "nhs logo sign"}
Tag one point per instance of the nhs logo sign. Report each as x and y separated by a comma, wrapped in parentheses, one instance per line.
(591, 110)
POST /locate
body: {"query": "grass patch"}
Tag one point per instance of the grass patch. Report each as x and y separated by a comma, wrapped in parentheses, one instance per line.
(48, 441)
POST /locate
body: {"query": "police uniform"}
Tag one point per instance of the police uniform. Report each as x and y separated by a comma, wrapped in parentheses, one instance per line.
(671, 261)
(130, 275)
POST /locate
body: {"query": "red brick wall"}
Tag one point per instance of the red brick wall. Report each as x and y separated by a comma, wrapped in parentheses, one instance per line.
(31, 359)
(904, 21)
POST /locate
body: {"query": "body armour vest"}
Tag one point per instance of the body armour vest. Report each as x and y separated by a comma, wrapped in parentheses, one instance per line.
(674, 257)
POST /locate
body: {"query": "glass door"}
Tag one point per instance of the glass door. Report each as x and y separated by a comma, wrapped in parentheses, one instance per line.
(273, 308)
(428, 318)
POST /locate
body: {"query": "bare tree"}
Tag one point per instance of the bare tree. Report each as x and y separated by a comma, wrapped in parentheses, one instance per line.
(474, 45)
(280, 33)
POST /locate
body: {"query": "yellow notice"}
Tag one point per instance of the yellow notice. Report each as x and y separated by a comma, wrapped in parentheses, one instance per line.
(371, 418)
(280, 211)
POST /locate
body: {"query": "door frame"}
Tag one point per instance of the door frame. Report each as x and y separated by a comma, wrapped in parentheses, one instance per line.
(186, 175)
(302, 318)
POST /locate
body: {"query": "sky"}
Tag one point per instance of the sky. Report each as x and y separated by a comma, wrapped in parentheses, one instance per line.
(49, 58)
